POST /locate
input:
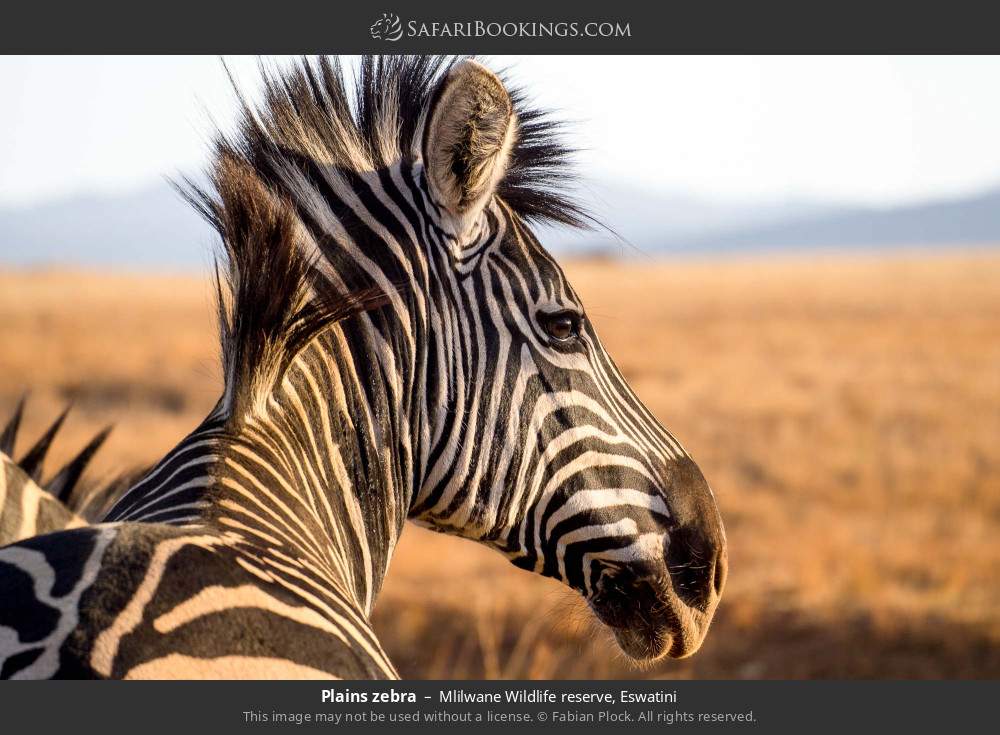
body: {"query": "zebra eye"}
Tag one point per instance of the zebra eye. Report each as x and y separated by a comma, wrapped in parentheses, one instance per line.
(562, 326)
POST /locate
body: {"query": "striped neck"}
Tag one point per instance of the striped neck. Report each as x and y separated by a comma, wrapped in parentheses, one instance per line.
(318, 479)
(323, 471)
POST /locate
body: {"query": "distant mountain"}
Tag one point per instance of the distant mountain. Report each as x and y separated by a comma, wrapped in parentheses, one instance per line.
(153, 228)
(972, 220)
(650, 222)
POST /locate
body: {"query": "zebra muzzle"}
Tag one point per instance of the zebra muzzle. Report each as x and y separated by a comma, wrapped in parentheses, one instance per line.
(653, 613)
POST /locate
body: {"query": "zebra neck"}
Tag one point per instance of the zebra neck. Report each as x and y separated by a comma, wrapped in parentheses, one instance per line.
(176, 490)
(319, 476)
(321, 473)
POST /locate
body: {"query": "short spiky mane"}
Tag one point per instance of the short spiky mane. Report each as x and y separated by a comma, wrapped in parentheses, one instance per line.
(311, 110)
(271, 300)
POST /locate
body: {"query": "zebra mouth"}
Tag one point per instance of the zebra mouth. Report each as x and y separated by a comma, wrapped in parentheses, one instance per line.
(649, 621)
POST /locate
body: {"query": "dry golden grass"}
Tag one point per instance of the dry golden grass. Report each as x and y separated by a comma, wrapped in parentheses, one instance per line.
(846, 411)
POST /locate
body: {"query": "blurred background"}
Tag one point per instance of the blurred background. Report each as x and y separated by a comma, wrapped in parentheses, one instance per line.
(803, 285)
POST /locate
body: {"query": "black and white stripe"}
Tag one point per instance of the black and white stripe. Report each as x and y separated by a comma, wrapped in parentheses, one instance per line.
(396, 344)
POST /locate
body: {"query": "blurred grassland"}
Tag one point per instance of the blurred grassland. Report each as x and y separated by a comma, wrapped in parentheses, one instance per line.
(846, 410)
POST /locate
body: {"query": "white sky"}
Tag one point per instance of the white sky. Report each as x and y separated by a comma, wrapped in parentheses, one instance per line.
(879, 130)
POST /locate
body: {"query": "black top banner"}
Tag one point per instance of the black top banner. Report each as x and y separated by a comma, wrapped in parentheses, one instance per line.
(513, 26)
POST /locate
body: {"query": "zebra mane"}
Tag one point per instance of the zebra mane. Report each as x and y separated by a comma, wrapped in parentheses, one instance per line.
(311, 111)
(272, 301)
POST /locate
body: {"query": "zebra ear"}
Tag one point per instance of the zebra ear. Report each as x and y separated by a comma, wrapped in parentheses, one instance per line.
(470, 130)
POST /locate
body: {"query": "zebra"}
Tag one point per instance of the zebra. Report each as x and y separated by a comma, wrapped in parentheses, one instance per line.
(26, 508)
(396, 344)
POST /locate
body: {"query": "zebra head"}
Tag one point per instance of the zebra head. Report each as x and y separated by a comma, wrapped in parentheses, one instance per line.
(538, 447)
(497, 413)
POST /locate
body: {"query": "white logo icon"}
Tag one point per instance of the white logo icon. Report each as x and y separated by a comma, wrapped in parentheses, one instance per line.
(387, 28)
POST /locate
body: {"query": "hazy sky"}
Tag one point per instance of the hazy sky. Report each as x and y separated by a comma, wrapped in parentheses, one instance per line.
(858, 129)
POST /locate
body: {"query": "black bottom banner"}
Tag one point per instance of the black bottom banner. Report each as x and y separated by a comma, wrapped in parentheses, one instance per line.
(626, 706)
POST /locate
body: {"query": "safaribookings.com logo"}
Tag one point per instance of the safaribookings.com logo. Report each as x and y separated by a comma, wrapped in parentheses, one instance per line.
(387, 28)
(390, 28)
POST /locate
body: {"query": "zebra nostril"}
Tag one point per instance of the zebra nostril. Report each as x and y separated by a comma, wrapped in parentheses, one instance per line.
(696, 565)
(721, 569)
